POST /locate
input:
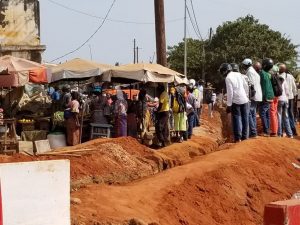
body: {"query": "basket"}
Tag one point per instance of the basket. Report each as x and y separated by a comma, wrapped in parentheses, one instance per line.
(27, 126)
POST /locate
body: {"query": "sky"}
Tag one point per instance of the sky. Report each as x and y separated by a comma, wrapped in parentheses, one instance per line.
(63, 28)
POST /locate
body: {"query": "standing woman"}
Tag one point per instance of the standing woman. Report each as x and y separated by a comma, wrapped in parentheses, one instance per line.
(121, 115)
(72, 122)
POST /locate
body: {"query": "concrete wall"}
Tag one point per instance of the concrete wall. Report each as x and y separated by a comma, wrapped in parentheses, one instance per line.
(20, 29)
(35, 193)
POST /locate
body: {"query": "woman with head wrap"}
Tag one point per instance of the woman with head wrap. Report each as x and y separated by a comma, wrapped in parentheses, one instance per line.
(120, 110)
(72, 121)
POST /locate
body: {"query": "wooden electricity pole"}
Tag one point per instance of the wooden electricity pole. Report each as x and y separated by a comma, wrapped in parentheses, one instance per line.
(161, 51)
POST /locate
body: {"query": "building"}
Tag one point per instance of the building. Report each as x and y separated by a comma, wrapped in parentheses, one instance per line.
(20, 29)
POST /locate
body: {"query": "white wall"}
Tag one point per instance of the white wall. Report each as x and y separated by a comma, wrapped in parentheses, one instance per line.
(36, 193)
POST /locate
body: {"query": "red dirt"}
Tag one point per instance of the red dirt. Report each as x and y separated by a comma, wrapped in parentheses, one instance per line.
(225, 187)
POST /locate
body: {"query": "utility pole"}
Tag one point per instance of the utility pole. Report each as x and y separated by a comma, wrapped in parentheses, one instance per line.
(134, 43)
(185, 41)
(160, 32)
(91, 54)
(137, 54)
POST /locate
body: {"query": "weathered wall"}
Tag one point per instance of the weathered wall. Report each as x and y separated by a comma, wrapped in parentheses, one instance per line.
(19, 22)
(20, 29)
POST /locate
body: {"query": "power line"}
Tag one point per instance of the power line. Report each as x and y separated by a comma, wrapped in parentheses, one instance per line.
(84, 43)
(193, 25)
(196, 19)
(112, 20)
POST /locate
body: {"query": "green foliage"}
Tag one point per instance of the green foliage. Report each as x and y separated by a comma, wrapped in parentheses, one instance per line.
(195, 57)
(232, 42)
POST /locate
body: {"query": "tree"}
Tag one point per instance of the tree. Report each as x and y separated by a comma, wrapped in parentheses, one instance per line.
(234, 41)
(195, 57)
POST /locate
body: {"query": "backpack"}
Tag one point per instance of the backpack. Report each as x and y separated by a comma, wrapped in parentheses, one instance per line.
(252, 91)
(277, 85)
(208, 97)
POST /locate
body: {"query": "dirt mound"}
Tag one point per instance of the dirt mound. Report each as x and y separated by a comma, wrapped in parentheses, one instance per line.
(120, 160)
(226, 187)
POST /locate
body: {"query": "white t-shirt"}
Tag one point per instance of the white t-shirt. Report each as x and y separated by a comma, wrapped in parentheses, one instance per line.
(236, 89)
(254, 79)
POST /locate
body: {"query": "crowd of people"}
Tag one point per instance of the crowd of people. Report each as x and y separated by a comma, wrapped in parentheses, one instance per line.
(264, 87)
(173, 114)
(271, 89)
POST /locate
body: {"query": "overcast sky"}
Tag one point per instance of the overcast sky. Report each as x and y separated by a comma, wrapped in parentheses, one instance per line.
(63, 30)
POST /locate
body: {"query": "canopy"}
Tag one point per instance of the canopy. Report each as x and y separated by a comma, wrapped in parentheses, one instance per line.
(21, 71)
(78, 69)
(144, 72)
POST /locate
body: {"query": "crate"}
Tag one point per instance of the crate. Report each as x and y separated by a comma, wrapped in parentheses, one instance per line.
(100, 130)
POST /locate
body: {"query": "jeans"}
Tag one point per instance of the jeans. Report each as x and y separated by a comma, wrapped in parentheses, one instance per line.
(197, 118)
(274, 116)
(291, 116)
(264, 110)
(252, 119)
(240, 121)
(283, 119)
(191, 118)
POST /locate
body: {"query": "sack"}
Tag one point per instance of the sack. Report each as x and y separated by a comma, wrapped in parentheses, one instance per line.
(189, 108)
(252, 91)
(67, 114)
(208, 97)
(277, 85)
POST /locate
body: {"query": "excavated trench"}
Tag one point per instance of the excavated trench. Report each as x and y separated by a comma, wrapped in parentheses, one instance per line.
(208, 138)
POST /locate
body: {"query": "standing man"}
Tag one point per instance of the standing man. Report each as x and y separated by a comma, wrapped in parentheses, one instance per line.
(257, 66)
(236, 101)
(191, 111)
(201, 95)
(291, 94)
(163, 116)
(283, 118)
(255, 95)
(267, 95)
(196, 94)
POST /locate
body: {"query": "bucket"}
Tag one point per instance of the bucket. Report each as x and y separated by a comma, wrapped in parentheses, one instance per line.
(57, 140)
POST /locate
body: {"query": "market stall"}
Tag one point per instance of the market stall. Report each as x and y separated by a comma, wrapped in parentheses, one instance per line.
(144, 72)
(18, 78)
(78, 69)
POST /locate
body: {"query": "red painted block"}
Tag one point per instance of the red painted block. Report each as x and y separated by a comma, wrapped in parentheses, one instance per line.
(282, 213)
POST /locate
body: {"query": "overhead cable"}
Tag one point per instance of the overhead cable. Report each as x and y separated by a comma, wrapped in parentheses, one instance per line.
(112, 20)
(95, 32)
(193, 24)
(195, 18)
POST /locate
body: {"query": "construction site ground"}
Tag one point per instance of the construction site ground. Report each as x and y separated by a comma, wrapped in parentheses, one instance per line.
(202, 181)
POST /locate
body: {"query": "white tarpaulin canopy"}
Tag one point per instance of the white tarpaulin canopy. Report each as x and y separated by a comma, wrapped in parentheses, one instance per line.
(144, 72)
(78, 69)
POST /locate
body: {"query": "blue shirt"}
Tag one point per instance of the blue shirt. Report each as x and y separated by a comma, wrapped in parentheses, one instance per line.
(55, 96)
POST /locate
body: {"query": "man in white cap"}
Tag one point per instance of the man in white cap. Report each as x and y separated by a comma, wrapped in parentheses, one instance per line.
(255, 95)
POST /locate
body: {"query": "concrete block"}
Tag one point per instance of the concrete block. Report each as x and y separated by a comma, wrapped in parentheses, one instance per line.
(282, 213)
(26, 146)
(38, 194)
(42, 146)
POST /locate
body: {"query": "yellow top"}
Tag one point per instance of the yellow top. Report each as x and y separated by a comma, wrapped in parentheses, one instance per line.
(164, 100)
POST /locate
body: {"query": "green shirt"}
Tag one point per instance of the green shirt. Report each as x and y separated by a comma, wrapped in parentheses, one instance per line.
(266, 86)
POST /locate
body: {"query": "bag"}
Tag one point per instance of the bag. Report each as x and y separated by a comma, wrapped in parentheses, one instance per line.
(67, 114)
(252, 91)
(208, 97)
(189, 108)
(277, 85)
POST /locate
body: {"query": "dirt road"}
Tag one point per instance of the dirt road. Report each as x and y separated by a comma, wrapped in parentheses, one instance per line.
(226, 187)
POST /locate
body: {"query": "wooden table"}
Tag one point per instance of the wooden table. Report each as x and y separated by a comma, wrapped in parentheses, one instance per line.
(8, 136)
